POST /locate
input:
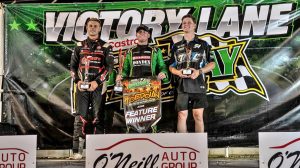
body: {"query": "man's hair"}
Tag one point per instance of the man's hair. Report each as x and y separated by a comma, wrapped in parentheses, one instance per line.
(189, 16)
(92, 19)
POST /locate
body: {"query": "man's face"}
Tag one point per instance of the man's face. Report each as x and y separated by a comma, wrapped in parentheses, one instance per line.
(188, 25)
(142, 36)
(93, 28)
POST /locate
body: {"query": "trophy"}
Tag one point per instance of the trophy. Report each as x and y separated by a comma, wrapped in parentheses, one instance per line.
(187, 70)
(119, 87)
(85, 85)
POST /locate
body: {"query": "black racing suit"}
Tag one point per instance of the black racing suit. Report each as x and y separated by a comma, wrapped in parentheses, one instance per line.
(92, 60)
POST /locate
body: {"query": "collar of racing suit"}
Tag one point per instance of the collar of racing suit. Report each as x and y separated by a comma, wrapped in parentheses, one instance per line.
(142, 46)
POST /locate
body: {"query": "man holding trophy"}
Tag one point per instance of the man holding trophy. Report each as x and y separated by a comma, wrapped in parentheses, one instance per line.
(144, 61)
(190, 59)
(91, 63)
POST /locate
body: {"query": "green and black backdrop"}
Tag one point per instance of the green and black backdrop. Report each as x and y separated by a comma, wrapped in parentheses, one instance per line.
(254, 87)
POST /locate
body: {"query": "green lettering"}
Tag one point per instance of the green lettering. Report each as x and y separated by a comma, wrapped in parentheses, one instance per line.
(227, 60)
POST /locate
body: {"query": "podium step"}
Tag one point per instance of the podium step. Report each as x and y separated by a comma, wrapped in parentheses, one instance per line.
(212, 163)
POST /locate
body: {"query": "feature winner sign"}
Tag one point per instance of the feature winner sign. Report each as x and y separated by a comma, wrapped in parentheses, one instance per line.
(142, 102)
(279, 149)
(18, 151)
(147, 150)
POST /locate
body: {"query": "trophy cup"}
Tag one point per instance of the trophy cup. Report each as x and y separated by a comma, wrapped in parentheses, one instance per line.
(187, 70)
(85, 85)
(119, 87)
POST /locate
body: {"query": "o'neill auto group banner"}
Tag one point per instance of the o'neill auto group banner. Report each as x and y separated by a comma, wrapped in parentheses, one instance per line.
(18, 151)
(254, 86)
(159, 150)
(279, 149)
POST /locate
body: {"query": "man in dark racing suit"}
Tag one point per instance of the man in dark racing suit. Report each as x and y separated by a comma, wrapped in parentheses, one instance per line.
(91, 63)
(144, 60)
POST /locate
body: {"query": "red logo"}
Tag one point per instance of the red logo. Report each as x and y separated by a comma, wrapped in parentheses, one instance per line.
(169, 156)
(13, 157)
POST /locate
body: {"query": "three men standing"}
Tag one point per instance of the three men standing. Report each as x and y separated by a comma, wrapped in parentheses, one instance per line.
(92, 61)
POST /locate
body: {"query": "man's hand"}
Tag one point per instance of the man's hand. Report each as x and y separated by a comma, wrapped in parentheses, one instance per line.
(195, 73)
(179, 73)
(78, 85)
(161, 75)
(119, 78)
(93, 86)
(72, 74)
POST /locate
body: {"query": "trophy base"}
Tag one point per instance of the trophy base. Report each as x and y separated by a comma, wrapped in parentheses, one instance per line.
(187, 72)
(118, 89)
(84, 86)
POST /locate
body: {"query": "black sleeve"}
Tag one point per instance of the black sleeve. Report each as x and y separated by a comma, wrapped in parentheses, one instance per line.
(209, 57)
(109, 59)
(108, 63)
(74, 65)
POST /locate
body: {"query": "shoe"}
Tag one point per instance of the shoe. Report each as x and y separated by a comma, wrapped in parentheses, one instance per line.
(76, 156)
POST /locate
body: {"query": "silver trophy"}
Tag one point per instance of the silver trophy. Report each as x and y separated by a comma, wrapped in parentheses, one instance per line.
(119, 87)
(85, 85)
(187, 70)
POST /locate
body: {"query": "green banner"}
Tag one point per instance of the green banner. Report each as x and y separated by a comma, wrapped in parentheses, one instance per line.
(254, 86)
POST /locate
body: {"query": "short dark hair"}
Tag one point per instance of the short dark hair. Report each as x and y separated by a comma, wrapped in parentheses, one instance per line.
(92, 19)
(189, 16)
(143, 27)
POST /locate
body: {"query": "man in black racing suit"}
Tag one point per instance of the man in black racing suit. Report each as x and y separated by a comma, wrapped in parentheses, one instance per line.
(91, 63)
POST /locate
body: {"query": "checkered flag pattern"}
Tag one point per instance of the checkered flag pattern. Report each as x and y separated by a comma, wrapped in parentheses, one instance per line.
(244, 83)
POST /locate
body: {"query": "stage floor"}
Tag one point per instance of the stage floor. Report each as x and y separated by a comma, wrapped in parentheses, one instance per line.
(214, 163)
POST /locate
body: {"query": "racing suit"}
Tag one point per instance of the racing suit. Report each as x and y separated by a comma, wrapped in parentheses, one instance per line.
(144, 60)
(92, 60)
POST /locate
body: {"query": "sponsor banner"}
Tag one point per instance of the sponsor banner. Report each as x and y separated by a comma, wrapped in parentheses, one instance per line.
(255, 45)
(147, 150)
(18, 151)
(142, 102)
(122, 44)
(279, 149)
